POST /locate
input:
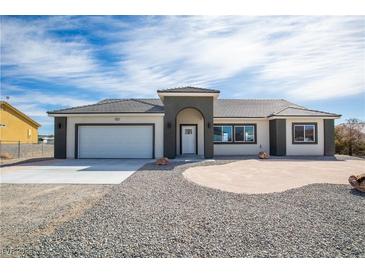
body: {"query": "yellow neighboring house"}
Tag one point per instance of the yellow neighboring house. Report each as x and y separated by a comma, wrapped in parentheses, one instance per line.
(15, 126)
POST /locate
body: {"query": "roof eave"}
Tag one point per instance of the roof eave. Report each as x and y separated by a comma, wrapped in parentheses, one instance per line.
(197, 89)
(26, 117)
(240, 117)
(335, 116)
(162, 95)
(63, 114)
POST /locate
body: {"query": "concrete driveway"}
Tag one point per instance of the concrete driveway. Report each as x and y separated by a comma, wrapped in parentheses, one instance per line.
(72, 171)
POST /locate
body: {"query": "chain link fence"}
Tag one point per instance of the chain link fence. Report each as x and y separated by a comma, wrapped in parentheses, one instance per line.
(12, 150)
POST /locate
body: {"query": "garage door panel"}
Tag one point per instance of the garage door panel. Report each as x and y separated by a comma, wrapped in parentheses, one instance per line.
(115, 141)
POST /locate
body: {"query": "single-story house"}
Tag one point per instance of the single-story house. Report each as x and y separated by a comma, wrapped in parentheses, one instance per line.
(16, 127)
(191, 120)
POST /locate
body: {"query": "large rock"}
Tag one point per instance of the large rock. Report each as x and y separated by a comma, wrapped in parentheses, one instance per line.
(358, 182)
(162, 161)
(263, 155)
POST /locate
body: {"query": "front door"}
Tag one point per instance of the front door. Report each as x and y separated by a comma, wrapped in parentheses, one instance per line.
(188, 139)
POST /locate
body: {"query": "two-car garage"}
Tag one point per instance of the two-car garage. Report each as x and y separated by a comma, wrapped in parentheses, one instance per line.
(114, 141)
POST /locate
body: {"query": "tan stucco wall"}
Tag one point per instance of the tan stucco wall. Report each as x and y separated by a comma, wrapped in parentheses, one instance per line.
(263, 138)
(304, 149)
(16, 128)
(157, 120)
(190, 116)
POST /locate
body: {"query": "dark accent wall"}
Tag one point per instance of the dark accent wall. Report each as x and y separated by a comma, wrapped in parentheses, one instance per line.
(329, 137)
(173, 105)
(278, 137)
(60, 132)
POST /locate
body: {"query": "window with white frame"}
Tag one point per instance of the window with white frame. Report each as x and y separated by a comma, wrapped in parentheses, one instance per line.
(223, 133)
(244, 133)
(304, 133)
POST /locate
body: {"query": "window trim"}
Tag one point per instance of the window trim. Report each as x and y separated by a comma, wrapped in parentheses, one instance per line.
(223, 125)
(244, 126)
(234, 142)
(305, 142)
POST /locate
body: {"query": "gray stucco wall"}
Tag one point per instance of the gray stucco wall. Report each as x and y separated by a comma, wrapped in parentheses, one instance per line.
(173, 105)
(329, 137)
(60, 132)
(278, 137)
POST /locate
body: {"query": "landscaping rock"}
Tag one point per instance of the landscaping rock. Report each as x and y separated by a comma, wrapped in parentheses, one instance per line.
(158, 213)
(358, 182)
(263, 155)
(162, 161)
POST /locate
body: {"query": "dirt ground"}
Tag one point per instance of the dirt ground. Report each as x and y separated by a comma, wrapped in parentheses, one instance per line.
(30, 210)
(273, 175)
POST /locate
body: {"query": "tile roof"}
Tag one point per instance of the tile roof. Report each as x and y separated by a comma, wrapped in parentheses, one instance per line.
(295, 111)
(188, 90)
(248, 107)
(117, 106)
(223, 108)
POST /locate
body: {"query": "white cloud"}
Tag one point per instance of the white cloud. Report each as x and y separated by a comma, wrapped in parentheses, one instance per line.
(36, 103)
(301, 57)
(30, 52)
(28, 48)
(47, 99)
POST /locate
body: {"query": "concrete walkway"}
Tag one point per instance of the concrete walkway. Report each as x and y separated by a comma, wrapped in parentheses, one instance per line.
(78, 171)
(273, 175)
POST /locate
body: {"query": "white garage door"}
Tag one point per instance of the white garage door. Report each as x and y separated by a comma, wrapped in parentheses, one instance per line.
(115, 141)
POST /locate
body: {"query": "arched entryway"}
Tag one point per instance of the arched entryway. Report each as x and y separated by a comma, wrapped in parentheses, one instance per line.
(190, 132)
(175, 105)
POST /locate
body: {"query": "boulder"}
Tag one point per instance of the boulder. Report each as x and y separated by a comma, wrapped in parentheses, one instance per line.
(263, 155)
(162, 161)
(358, 182)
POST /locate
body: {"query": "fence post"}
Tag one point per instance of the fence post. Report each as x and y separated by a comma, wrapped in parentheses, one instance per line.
(18, 149)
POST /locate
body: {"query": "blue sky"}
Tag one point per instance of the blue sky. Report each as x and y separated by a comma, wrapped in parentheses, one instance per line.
(55, 62)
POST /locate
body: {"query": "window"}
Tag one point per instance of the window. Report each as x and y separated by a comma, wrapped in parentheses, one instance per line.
(188, 131)
(304, 133)
(223, 134)
(244, 134)
(217, 134)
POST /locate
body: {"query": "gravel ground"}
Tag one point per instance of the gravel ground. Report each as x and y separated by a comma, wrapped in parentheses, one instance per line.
(28, 211)
(157, 213)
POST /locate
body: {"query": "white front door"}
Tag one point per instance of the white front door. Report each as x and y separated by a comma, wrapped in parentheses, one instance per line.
(188, 139)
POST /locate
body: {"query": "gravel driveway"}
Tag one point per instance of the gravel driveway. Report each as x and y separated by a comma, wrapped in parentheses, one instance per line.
(157, 213)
